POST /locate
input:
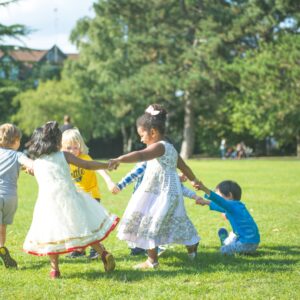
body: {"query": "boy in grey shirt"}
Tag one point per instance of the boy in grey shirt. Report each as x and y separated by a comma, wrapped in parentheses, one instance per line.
(10, 162)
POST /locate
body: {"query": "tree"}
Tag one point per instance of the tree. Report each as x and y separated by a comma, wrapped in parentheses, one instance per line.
(138, 52)
(15, 31)
(50, 101)
(268, 99)
(9, 89)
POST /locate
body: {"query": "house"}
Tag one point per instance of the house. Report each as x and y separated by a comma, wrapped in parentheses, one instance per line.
(18, 64)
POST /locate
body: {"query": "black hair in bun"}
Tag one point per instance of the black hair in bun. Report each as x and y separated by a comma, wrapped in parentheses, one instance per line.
(155, 116)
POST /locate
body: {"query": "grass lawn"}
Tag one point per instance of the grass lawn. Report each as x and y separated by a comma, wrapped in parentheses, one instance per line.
(271, 191)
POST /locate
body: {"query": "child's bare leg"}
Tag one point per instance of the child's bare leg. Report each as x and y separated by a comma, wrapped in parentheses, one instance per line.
(107, 258)
(54, 273)
(54, 262)
(152, 255)
(2, 234)
(99, 248)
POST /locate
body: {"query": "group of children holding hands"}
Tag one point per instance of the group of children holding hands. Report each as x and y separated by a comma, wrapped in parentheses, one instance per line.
(68, 218)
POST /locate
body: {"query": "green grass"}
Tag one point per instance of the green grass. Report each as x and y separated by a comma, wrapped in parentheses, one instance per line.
(271, 190)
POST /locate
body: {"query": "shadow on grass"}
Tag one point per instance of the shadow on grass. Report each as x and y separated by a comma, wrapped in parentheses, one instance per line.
(267, 259)
(173, 263)
(35, 266)
(275, 250)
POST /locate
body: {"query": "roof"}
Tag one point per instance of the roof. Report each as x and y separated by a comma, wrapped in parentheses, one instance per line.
(32, 55)
(73, 56)
(26, 55)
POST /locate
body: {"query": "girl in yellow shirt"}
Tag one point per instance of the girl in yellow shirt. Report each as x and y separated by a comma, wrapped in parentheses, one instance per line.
(86, 180)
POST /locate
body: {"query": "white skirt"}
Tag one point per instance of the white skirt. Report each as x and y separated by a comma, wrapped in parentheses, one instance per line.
(152, 219)
(66, 222)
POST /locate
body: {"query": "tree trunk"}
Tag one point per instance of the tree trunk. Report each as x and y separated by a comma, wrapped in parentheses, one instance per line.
(298, 144)
(127, 138)
(188, 142)
(130, 139)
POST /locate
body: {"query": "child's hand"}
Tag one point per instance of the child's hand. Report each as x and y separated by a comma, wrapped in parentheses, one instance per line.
(28, 171)
(115, 190)
(200, 201)
(196, 184)
(182, 177)
(113, 164)
(112, 186)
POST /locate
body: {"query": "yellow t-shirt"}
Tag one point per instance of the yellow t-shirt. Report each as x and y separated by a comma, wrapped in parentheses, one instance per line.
(86, 179)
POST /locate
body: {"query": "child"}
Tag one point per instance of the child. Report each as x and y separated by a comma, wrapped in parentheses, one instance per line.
(137, 174)
(64, 218)
(245, 236)
(155, 214)
(10, 162)
(72, 142)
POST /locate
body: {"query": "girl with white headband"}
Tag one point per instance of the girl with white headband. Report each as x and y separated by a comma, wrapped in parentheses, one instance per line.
(155, 214)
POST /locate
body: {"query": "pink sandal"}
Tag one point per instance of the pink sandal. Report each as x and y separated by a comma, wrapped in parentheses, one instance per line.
(54, 274)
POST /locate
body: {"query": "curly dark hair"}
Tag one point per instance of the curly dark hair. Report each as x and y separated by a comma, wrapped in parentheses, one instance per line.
(155, 117)
(45, 140)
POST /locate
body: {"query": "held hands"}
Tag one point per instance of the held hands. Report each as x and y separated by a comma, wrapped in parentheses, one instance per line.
(115, 190)
(200, 201)
(182, 177)
(113, 164)
(197, 184)
(112, 187)
(28, 170)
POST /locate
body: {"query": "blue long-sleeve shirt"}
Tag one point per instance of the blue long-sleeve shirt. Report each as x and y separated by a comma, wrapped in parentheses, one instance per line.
(137, 175)
(239, 217)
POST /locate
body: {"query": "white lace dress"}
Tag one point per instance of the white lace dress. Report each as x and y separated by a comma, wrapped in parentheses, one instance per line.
(155, 214)
(64, 218)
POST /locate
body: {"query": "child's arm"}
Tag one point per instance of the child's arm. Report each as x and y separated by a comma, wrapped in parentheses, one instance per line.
(187, 192)
(110, 184)
(153, 151)
(218, 203)
(202, 187)
(26, 163)
(201, 201)
(212, 205)
(133, 175)
(186, 170)
(85, 164)
(192, 195)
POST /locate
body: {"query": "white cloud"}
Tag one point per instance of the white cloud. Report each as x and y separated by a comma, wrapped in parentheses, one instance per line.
(52, 20)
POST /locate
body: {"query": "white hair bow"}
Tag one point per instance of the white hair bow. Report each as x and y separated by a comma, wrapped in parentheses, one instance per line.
(150, 110)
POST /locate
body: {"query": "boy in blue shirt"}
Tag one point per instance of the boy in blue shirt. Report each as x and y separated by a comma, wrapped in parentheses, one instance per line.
(245, 237)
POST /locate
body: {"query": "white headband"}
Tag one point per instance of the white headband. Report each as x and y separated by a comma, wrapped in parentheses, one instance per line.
(150, 110)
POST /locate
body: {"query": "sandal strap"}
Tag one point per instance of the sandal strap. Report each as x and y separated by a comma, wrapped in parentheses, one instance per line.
(152, 265)
(104, 253)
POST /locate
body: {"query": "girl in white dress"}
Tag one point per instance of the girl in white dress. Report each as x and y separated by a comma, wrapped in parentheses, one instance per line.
(155, 214)
(64, 218)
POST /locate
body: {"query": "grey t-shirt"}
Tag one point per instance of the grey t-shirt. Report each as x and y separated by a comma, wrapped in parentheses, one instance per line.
(10, 162)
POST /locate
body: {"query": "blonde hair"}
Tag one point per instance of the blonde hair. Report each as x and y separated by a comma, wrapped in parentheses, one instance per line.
(73, 136)
(9, 134)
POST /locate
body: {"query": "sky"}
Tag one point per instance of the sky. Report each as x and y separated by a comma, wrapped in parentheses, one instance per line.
(51, 20)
